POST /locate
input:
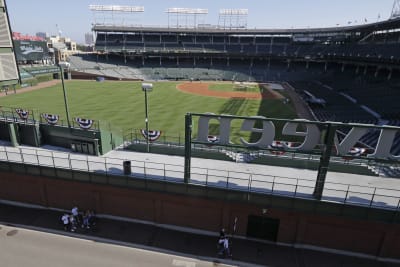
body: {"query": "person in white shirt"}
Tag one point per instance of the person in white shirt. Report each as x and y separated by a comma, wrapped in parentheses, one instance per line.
(226, 247)
(75, 211)
(65, 220)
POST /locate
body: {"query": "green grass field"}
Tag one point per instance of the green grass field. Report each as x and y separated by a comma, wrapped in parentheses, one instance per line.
(122, 105)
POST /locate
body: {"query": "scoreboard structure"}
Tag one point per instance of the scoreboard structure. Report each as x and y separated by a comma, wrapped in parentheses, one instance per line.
(9, 74)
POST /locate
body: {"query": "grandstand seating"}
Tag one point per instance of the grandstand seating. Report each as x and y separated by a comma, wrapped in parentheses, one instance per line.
(277, 46)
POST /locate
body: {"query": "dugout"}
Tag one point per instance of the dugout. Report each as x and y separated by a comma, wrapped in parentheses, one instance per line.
(4, 131)
(21, 127)
(23, 133)
(78, 140)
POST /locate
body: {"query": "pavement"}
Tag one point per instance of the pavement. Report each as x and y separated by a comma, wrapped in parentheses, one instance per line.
(181, 241)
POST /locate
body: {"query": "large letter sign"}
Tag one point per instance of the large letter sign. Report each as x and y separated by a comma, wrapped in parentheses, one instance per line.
(312, 135)
(384, 145)
(350, 140)
(224, 129)
(267, 132)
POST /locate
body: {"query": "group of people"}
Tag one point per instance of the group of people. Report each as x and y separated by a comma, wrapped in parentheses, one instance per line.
(223, 245)
(71, 222)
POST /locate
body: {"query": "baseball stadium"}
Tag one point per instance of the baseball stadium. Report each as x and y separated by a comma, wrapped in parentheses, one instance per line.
(284, 136)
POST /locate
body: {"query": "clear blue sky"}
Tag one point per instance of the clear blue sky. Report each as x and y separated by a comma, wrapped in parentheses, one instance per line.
(74, 17)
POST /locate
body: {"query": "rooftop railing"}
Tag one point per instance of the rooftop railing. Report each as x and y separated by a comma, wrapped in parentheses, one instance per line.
(352, 194)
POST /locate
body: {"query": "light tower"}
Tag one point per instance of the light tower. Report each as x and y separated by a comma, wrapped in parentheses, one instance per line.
(396, 10)
(115, 15)
(233, 18)
(181, 17)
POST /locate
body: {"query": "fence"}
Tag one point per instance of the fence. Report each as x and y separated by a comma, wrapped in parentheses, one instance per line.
(135, 136)
(385, 168)
(383, 198)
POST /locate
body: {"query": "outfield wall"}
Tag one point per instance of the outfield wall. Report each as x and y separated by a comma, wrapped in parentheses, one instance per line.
(373, 232)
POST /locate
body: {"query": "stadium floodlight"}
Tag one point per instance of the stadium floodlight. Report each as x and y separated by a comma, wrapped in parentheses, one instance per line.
(189, 15)
(115, 14)
(243, 12)
(233, 18)
(182, 10)
(113, 8)
(395, 10)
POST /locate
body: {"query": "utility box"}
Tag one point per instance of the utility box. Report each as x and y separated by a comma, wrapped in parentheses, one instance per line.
(127, 167)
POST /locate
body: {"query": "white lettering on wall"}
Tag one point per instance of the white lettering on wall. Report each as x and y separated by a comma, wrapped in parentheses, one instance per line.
(267, 132)
(384, 145)
(224, 129)
(349, 141)
(312, 135)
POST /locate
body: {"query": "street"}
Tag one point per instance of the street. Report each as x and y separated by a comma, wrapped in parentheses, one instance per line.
(22, 247)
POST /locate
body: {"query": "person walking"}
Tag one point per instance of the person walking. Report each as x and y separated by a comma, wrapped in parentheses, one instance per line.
(65, 221)
(222, 233)
(226, 247)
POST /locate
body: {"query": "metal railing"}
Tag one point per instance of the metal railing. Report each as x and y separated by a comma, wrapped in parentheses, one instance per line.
(352, 194)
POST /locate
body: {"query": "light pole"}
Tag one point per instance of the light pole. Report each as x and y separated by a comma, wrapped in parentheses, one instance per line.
(147, 87)
(62, 65)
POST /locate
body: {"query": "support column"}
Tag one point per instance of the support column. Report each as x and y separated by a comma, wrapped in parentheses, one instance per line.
(357, 69)
(188, 147)
(376, 72)
(326, 66)
(14, 134)
(390, 74)
(307, 65)
(324, 161)
(343, 67)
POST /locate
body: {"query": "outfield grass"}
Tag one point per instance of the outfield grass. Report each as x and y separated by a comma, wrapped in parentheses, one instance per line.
(122, 105)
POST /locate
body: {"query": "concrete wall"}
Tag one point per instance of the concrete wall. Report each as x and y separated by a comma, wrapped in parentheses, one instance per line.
(209, 213)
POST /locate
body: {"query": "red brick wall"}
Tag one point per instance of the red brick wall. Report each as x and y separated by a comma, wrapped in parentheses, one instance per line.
(378, 239)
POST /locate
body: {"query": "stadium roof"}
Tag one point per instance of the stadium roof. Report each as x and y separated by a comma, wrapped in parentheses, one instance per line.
(378, 26)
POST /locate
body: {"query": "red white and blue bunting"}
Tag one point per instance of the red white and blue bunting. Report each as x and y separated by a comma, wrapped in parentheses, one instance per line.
(355, 152)
(212, 138)
(279, 148)
(50, 118)
(153, 135)
(84, 123)
(22, 113)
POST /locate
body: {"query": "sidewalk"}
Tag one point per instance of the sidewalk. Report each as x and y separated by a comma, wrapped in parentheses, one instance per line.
(174, 240)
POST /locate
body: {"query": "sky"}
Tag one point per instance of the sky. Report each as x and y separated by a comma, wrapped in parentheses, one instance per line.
(73, 18)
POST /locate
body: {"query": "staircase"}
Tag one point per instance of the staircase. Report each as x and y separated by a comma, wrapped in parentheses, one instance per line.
(241, 157)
